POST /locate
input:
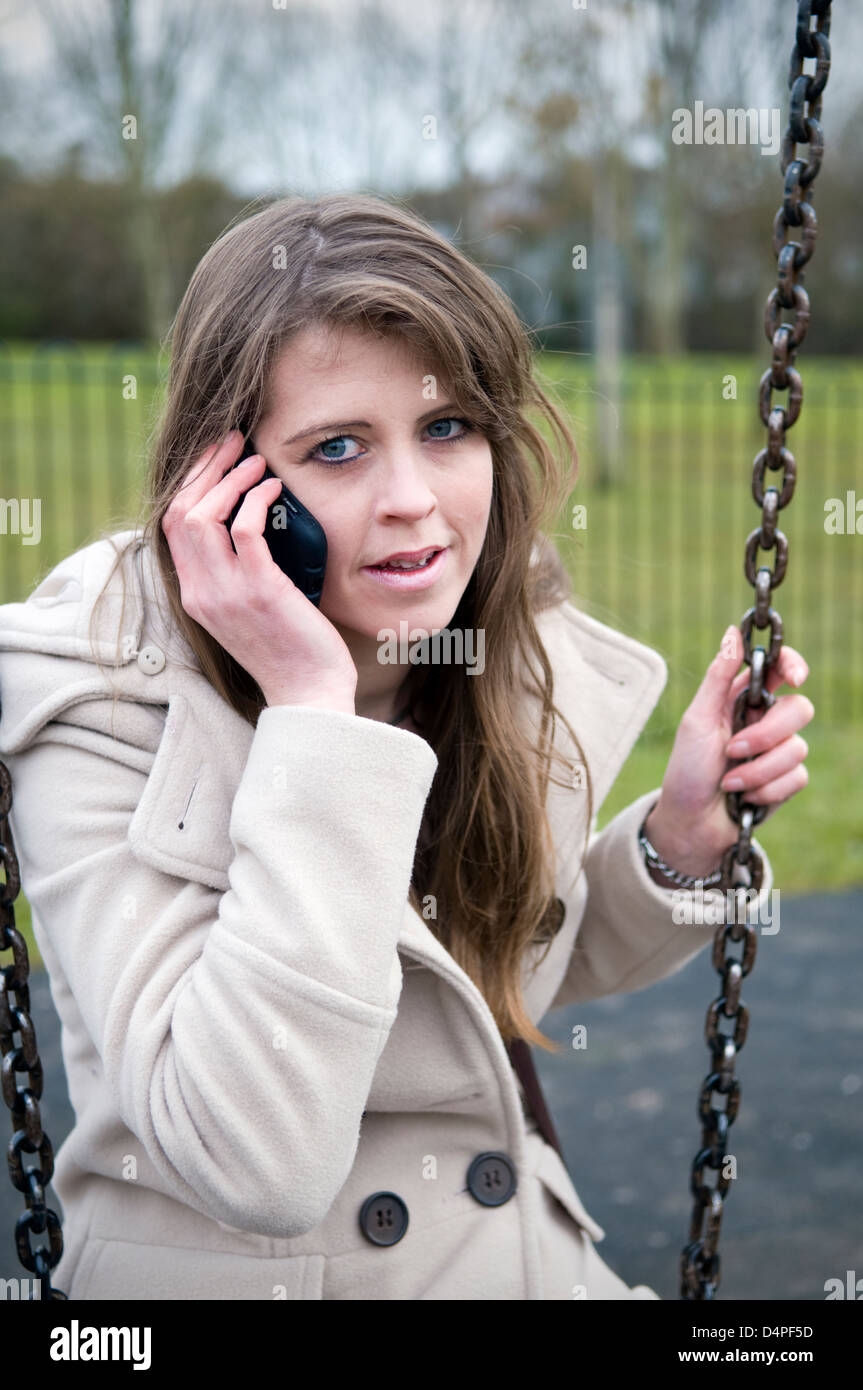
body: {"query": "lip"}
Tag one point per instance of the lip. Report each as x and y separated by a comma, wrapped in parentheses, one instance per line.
(409, 554)
(411, 579)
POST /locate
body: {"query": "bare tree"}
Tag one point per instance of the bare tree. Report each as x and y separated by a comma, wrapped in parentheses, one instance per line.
(727, 53)
(575, 102)
(471, 52)
(322, 91)
(139, 79)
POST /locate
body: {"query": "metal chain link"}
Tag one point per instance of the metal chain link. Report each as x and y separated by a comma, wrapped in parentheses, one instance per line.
(28, 1135)
(742, 867)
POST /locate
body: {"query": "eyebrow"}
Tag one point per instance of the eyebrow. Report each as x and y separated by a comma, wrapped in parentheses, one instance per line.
(352, 424)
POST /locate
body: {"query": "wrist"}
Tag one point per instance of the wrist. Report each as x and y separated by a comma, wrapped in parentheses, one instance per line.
(677, 848)
(659, 876)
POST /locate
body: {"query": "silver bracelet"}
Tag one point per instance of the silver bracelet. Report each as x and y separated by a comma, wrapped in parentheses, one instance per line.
(682, 880)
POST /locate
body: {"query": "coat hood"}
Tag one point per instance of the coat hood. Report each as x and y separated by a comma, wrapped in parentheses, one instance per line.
(54, 621)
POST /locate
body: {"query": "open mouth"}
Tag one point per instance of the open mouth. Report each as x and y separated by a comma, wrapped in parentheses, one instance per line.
(407, 565)
(405, 575)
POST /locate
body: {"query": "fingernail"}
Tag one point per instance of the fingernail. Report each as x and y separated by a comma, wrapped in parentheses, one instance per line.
(739, 748)
(798, 675)
(732, 784)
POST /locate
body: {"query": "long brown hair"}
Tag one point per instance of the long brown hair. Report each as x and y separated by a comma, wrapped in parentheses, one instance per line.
(485, 850)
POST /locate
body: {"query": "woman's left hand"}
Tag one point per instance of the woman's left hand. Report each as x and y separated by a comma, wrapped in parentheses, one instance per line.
(690, 826)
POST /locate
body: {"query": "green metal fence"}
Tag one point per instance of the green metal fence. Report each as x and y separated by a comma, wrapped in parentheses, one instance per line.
(658, 553)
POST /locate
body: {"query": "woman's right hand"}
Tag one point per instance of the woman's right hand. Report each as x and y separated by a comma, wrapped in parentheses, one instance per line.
(245, 600)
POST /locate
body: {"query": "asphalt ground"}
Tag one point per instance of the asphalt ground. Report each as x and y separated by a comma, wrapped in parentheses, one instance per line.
(625, 1108)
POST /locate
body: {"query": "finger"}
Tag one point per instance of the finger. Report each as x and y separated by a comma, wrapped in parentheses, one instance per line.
(790, 669)
(197, 534)
(781, 788)
(781, 759)
(785, 717)
(201, 475)
(739, 683)
(220, 499)
(247, 532)
(206, 536)
(710, 701)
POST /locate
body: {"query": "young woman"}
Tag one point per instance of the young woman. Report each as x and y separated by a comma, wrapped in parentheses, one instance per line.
(296, 898)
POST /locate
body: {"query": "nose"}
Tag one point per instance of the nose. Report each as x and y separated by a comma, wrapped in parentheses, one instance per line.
(403, 484)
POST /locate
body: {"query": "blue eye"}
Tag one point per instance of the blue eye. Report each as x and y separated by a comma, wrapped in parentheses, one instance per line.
(337, 442)
(339, 459)
(449, 420)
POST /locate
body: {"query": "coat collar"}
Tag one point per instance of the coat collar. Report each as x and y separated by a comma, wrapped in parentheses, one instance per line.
(605, 683)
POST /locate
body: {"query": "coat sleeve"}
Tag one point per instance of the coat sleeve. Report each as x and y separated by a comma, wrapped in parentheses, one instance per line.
(628, 937)
(238, 1030)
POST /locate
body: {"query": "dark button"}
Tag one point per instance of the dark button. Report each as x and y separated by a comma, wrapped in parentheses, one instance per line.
(491, 1179)
(383, 1218)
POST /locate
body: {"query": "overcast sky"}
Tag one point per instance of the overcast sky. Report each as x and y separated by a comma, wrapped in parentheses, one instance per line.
(341, 117)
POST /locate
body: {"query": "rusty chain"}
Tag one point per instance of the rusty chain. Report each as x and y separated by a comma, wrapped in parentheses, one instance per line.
(742, 867)
(28, 1135)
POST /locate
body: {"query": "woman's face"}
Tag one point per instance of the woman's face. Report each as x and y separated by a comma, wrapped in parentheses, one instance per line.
(351, 428)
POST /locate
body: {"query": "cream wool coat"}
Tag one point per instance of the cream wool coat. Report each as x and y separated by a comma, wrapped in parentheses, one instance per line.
(259, 1032)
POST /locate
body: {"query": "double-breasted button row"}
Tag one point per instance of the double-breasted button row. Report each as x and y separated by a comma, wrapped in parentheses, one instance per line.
(491, 1179)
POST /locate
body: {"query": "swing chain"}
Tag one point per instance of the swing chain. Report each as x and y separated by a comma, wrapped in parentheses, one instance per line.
(28, 1134)
(727, 1019)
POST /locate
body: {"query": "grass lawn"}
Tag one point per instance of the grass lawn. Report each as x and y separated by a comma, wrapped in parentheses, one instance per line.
(660, 555)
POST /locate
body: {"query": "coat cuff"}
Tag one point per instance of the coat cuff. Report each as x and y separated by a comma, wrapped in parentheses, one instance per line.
(633, 932)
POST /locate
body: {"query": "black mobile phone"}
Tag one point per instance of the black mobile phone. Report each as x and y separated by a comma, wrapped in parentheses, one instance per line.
(296, 538)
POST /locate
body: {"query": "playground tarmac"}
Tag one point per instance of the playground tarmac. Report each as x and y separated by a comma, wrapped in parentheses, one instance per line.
(625, 1108)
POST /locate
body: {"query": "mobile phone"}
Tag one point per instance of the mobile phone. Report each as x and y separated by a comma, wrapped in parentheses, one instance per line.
(296, 539)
